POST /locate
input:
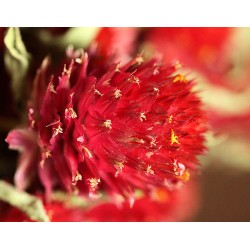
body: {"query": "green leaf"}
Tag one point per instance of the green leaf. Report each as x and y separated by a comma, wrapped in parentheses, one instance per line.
(27, 203)
(78, 37)
(17, 61)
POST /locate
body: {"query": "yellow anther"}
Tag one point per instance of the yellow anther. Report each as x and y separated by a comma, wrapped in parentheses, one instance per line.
(152, 143)
(185, 176)
(134, 139)
(150, 170)
(98, 92)
(117, 93)
(52, 88)
(170, 119)
(32, 124)
(174, 138)
(48, 154)
(71, 112)
(53, 123)
(108, 124)
(78, 60)
(117, 68)
(119, 166)
(142, 116)
(67, 71)
(149, 154)
(76, 178)
(93, 182)
(180, 78)
(156, 90)
(134, 79)
(87, 151)
(139, 59)
(57, 131)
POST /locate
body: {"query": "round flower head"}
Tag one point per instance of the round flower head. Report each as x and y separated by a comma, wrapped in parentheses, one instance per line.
(102, 126)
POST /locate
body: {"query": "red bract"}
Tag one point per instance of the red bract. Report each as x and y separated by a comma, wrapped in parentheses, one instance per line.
(118, 40)
(204, 49)
(162, 205)
(114, 128)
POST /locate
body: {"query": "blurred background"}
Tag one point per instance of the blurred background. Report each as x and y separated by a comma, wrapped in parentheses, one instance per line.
(218, 59)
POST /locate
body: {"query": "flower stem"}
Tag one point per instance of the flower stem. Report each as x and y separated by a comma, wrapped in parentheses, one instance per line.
(27, 203)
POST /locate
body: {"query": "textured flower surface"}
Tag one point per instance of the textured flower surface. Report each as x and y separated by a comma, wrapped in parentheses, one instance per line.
(161, 205)
(106, 126)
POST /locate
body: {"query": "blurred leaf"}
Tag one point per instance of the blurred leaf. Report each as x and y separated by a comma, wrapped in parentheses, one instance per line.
(70, 200)
(17, 61)
(79, 37)
(27, 203)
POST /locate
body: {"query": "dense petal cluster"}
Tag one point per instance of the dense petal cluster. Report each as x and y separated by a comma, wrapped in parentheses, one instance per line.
(112, 127)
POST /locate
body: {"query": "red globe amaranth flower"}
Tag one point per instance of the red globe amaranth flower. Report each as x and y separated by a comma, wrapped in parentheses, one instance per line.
(114, 128)
(117, 41)
(161, 205)
(206, 50)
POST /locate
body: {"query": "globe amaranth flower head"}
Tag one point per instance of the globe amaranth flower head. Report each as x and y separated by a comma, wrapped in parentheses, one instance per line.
(103, 126)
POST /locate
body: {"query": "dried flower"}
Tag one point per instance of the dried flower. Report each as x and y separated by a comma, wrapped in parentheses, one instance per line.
(112, 127)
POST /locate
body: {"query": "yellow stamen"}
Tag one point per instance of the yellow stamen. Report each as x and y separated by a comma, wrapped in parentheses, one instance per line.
(185, 177)
(119, 166)
(150, 170)
(156, 90)
(57, 131)
(170, 119)
(71, 112)
(152, 143)
(52, 88)
(117, 68)
(48, 154)
(142, 116)
(174, 138)
(108, 124)
(98, 92)
(180, 78)
(87, 151)
(93, 182)
(76, 178)
(134, 79)
(78, 60)
(117, 93)
(67, 71)
(139, 59)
